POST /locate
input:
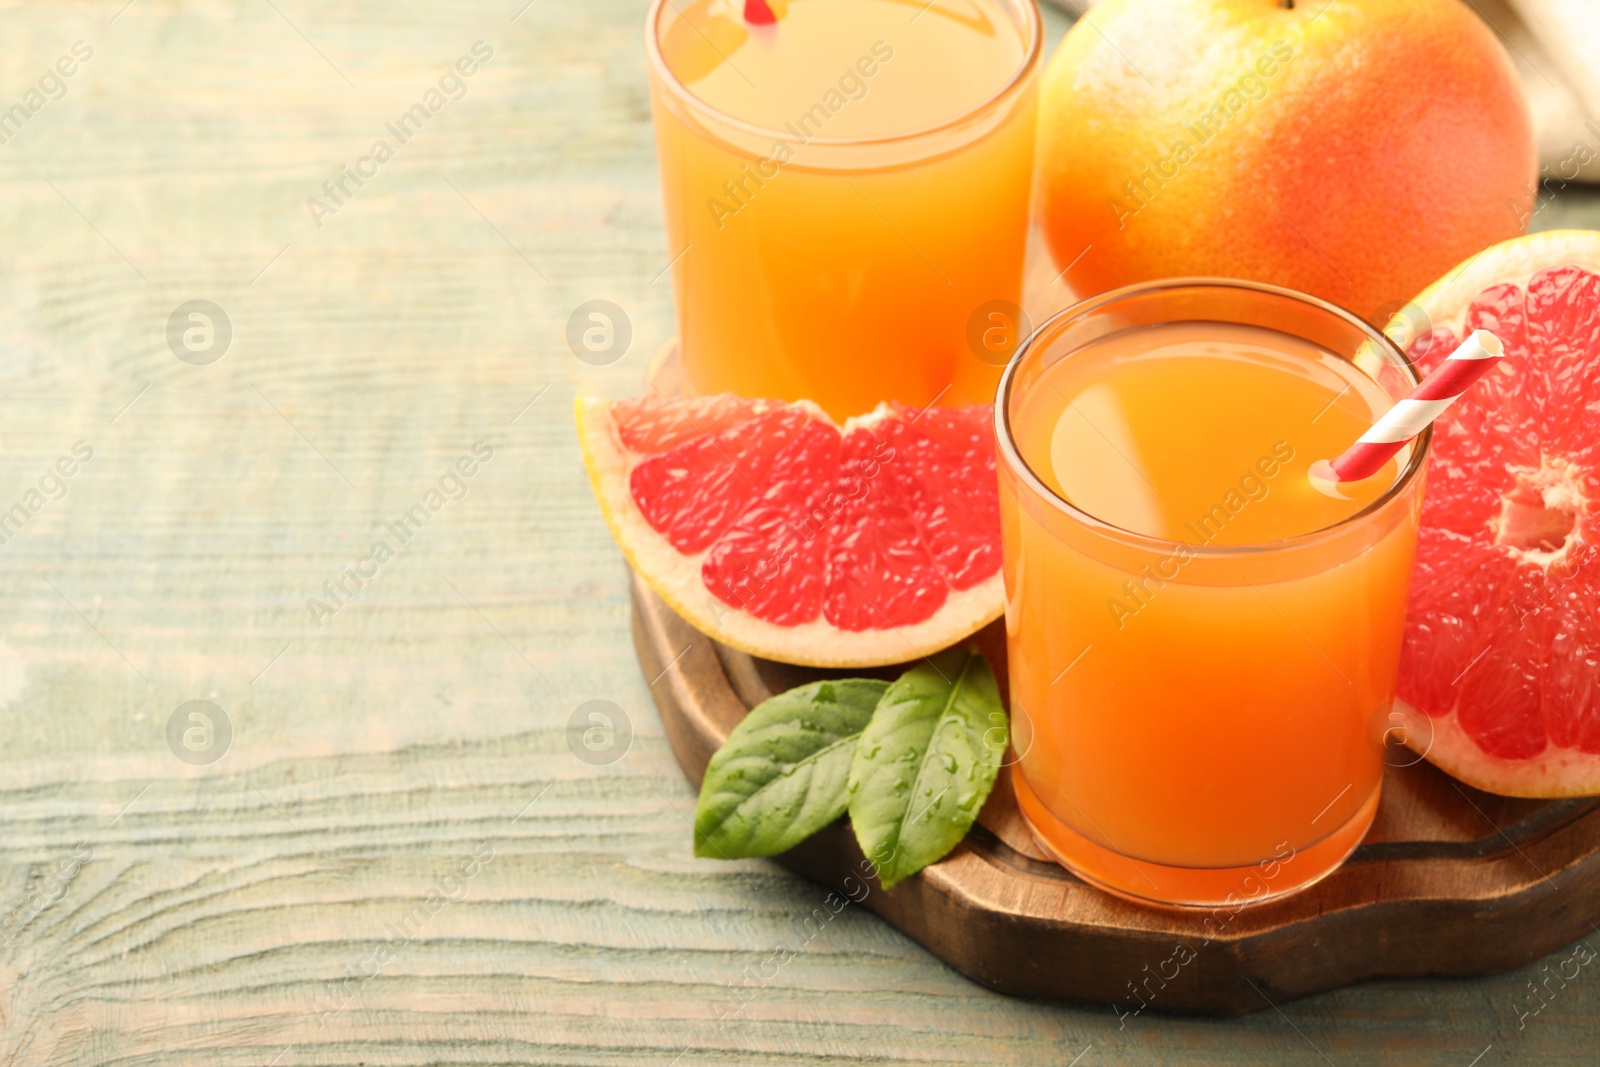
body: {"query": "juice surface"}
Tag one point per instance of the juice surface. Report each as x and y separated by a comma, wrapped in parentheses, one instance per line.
(932, 65)
(809, 263)
(1154, 429)
(1192, 725)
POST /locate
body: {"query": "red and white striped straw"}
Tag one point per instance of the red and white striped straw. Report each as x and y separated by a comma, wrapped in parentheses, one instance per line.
(1409, 417)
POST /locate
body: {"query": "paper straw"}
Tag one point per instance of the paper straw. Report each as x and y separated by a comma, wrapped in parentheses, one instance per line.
(1409, 417)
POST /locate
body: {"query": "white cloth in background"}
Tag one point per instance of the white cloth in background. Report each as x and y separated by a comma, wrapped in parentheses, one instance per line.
(1556, 46)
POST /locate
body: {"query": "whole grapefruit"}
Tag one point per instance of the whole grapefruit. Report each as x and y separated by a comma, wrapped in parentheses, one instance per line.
(1354, 149)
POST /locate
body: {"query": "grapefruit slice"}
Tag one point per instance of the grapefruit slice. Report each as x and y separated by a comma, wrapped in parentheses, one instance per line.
(1500, 673)
(774, 530)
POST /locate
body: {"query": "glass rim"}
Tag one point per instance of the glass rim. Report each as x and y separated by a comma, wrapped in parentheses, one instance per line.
(1012, 457)
(1033, 49)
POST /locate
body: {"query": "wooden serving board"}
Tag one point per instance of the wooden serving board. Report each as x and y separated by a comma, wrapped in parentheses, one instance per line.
(1450, 881)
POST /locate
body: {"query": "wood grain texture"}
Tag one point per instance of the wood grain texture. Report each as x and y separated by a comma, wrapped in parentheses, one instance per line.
(222, 905)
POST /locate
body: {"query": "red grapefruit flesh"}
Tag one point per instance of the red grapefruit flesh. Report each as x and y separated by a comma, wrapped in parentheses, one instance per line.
(1502, 646)
(778, 532)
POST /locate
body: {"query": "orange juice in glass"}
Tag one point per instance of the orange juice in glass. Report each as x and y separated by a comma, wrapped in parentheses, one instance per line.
(1203, 641)
(846, 193)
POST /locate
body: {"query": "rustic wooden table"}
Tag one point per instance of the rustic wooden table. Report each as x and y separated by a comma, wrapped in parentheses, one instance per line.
(377, 837)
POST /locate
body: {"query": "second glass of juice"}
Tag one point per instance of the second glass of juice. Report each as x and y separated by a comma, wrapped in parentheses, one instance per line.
(846, 193)
(1203, 638)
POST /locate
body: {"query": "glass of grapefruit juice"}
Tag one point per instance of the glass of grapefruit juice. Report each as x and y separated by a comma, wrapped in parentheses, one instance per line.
(846, 193)
(1203, 642)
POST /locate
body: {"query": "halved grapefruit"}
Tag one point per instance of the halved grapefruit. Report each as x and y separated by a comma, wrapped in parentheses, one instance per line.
(774, 530)
(1500, 674)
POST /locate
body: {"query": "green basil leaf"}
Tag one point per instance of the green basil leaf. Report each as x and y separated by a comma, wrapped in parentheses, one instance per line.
(783, 772)
(926, 763)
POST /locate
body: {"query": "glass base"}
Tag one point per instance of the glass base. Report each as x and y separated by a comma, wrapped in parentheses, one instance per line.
(1191, 887)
